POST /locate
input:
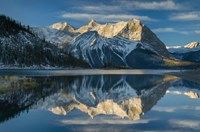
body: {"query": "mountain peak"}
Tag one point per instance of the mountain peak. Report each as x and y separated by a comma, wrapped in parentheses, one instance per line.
(92, 23)
(59, 25)
(134, 20)
(62, 26)
(192, 45)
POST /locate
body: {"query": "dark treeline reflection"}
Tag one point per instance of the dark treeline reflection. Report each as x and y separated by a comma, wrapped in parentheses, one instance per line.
(132, 94)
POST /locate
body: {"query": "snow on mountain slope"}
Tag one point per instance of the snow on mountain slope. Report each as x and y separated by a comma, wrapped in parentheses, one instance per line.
(26, 50)
(20, 47)
(52, 35)
(99, 51)
(57, 33)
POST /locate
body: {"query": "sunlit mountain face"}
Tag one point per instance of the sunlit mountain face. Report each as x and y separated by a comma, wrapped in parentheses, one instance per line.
(122, 97)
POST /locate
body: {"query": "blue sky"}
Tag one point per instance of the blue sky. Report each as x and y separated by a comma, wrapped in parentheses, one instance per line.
(175, 22)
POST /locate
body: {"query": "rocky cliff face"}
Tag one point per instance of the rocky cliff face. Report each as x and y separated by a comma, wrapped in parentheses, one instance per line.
(192, 45)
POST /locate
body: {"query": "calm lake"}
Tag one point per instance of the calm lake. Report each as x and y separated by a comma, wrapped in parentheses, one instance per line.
(98, 100)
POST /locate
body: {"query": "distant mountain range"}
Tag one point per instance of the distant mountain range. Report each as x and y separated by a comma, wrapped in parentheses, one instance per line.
(128, 44)
(189, 52)
(190, 47)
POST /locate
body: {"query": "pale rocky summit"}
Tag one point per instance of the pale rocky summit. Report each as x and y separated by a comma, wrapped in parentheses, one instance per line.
(57, 33)
(92, 24)
(62, 26)
(192, 45)
(192, 95)
(189, 52)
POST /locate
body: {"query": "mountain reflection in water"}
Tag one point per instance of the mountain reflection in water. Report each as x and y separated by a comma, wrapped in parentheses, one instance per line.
(123, 95)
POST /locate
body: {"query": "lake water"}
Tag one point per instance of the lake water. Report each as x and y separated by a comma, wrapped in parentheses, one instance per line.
(98, 100)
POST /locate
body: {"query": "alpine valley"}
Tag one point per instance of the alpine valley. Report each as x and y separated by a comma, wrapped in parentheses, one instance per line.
(128, 44)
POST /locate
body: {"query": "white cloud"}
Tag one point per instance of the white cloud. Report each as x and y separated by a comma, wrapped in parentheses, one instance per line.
(164, 109)
(186, 123)
(170, 109)
(125, 5)
(154, 5)
(100, 8)
(191, 32)
(197, 31)
(104, 18)
(169, 30)
(164, 30)
(103, 121)
(172, 30)
(189, 16)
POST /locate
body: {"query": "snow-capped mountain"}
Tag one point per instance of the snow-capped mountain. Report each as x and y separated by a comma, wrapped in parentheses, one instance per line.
(190, 47)
(189, 52)
(20, 47)
(62, 26)
(102, 52)
(128, 44)
(132, 29)
(124, 45)
(57, 33)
